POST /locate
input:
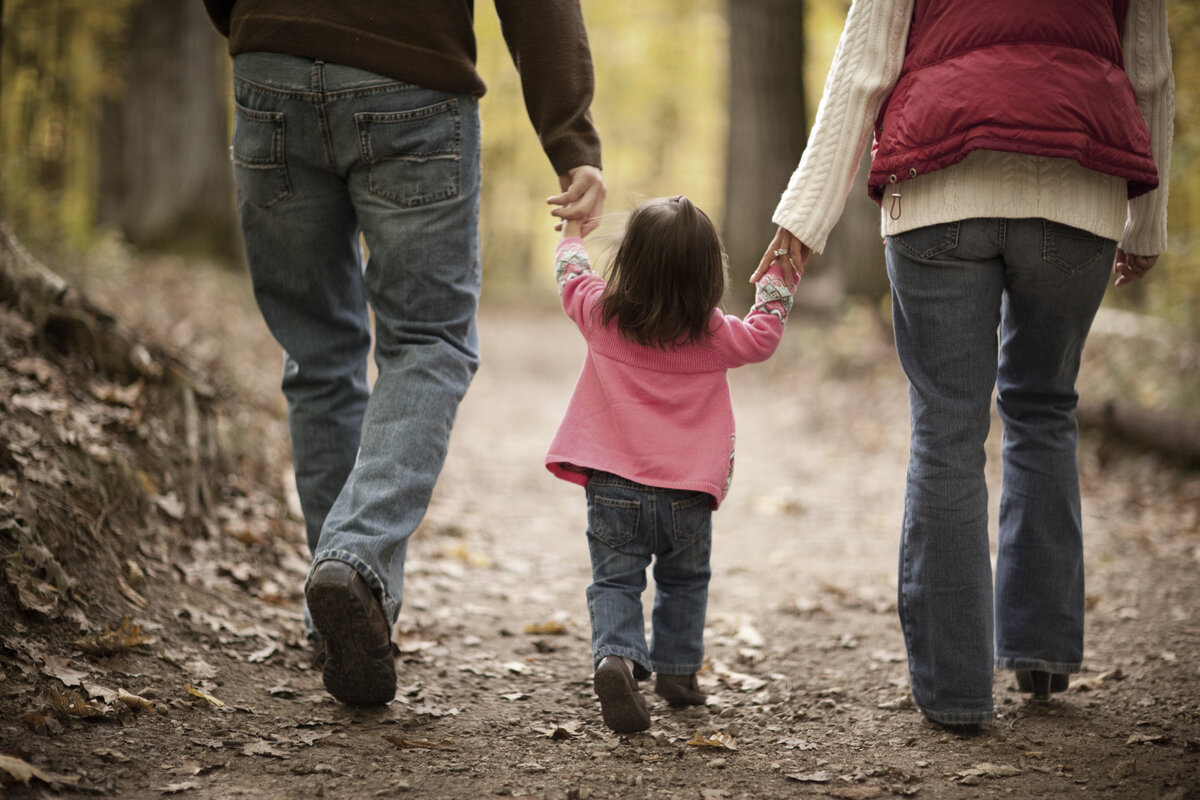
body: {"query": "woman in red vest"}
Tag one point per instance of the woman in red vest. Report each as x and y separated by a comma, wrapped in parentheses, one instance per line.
(1021, 152)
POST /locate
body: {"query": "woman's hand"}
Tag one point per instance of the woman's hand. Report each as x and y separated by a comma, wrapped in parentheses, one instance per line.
(789, 252)
(1129, 268)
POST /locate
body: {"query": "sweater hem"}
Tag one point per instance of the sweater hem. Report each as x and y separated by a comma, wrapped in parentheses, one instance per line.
(555, 465)
(324, 41)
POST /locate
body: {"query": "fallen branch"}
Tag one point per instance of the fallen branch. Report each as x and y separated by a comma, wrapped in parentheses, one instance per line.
(1165, 432)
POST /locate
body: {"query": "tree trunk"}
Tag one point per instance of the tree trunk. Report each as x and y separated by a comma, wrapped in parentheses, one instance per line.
(165, 178)
(768, 124)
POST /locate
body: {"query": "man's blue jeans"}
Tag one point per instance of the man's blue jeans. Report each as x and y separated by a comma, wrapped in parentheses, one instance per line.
(954, 286)
(630, 525)
(322, 152)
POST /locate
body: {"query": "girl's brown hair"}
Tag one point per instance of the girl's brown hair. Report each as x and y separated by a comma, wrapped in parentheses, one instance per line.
(667, 276)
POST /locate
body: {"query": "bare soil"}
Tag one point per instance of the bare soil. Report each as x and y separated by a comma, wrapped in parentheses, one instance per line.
(806, 673)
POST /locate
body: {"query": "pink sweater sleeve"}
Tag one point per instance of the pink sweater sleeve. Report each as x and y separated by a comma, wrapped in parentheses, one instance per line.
(578, 285)
(756, 337)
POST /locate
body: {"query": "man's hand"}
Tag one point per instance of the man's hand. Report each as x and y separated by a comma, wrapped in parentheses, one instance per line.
(582, 198)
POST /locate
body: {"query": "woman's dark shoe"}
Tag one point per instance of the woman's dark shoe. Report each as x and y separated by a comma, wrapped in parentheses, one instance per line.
(359, 667)
(679, 690)
(621, 703)
(1041, 683)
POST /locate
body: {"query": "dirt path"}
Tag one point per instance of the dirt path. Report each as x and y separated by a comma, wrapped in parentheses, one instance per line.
(809, 688)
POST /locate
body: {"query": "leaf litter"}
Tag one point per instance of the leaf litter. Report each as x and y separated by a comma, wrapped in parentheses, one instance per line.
(769, 687)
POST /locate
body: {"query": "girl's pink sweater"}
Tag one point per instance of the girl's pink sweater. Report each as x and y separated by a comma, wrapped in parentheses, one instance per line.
(660, 417)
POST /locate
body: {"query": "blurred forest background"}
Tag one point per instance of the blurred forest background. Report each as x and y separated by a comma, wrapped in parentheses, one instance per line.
(115, 124)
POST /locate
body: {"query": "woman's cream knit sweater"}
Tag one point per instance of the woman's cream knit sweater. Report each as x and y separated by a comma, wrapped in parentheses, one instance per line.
(986, 183)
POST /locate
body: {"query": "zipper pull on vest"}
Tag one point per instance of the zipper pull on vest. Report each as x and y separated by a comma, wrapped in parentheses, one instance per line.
(896, 209)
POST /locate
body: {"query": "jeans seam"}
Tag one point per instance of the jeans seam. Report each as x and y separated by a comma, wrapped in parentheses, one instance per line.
(653, 499)
(322, 115)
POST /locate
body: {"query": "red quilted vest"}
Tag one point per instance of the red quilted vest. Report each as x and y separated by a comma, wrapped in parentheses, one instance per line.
(1040, 77)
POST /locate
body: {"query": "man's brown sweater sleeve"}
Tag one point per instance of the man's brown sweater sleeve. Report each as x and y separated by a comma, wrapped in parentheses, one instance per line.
(549, 45)
(219, 12)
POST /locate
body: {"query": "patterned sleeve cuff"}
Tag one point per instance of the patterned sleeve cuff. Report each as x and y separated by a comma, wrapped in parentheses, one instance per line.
(571, 262)
(773, 295)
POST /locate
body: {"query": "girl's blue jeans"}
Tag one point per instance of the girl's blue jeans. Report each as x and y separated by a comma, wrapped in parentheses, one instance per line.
(981, 304)
(630, 526)
(322, 153)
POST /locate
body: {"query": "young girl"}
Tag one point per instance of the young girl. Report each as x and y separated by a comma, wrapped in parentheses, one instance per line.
(649, 432)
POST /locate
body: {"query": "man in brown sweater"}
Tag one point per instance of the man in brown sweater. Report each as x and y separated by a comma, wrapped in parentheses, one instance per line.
(362, 118)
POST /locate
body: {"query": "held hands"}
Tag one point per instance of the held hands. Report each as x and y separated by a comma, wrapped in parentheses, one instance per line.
(581, 201)
(1129, 268)
(789, 253)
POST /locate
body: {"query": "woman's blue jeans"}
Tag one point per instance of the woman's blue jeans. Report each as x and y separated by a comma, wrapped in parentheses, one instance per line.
(982, 304)
(630, 525)
(322, 153)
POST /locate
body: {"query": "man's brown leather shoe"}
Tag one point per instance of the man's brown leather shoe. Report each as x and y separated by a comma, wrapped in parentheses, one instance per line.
(360, 668)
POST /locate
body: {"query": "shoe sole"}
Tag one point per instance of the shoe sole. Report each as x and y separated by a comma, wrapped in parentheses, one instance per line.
(352, 673)
(619, 702)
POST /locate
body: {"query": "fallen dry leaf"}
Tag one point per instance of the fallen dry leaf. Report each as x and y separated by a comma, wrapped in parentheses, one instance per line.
(749, 636)
(176, 788)
(560, 731)
(57, 667)
(203, 695)
(36, 720)
(428, 708)
(22, 771)
(551, 628)
(821, 776)
(170, 505)
(988, 770)
(462, 553)
(112, 394)
(738, 680)
(39, 369)
(136, 702)
(714, 739)
(259, 656)
(96, 691)
(112, 641)
(71, 703)
(262, 748)
(33, 594)
(1147, 738)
